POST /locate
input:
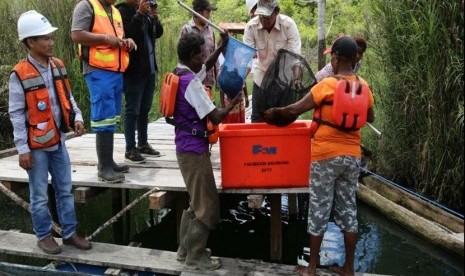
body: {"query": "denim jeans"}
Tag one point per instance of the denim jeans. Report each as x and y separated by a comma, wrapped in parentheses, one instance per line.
(58, 164)
(138, 93)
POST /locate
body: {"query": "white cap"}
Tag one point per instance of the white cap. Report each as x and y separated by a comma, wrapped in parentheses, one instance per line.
(249, 4)
(32, 23)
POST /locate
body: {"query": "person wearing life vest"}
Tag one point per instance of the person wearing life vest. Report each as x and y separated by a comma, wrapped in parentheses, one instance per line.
(193, 108)
(42, 109)
(335, 159)
(97, 27)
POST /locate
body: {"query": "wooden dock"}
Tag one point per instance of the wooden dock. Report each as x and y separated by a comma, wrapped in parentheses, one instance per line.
(161, 172)
(139, 259)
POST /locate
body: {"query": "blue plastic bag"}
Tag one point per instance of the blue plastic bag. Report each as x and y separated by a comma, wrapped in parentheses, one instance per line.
(232, 75)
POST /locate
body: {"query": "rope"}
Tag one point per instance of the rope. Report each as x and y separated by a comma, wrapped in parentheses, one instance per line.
(120, 213)
(414, 193)
(21, 202)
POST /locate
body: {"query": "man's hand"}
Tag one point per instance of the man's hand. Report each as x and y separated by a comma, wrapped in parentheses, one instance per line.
(129, 44)
(278, 117)
(26, 161)
(79, 128)
(298, 84)
(224, 39)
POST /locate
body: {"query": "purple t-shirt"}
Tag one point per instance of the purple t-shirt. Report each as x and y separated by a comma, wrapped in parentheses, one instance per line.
(191, 110)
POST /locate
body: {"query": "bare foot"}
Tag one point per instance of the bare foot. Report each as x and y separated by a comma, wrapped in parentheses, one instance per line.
(341, 271)
(305, 271)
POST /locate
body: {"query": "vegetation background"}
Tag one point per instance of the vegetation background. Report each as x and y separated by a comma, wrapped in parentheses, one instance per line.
(414, 63)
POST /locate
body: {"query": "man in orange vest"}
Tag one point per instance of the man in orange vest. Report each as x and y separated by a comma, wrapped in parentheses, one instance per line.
(41, 109)
(97, 27)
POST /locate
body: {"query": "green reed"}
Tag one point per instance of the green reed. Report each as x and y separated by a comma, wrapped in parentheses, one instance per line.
(419, 49)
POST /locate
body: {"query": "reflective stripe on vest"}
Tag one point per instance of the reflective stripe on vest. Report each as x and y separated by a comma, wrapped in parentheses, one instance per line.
(103, 56)
(42, 128)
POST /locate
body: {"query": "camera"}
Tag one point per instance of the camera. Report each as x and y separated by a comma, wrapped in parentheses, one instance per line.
(152, 3)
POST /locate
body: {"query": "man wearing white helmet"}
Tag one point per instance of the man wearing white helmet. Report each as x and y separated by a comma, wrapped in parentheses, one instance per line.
(42, 109)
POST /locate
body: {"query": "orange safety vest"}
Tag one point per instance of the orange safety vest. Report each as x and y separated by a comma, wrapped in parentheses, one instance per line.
(350, 105)
(103, 56)
(43, 131)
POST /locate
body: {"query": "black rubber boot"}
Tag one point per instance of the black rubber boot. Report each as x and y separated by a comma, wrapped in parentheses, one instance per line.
(123, 168)
(197, 256)
(104, 145)
(187, 215)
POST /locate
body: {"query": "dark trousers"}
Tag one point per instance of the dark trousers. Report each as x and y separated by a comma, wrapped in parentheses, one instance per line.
(138, 93)
(255, 118)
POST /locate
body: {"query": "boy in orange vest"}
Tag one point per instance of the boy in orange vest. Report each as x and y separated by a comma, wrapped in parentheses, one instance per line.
(335, 159)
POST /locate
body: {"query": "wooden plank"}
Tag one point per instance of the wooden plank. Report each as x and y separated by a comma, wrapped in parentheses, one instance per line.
(117, 271)
(83, 194)
(132, 258)
(160, 200)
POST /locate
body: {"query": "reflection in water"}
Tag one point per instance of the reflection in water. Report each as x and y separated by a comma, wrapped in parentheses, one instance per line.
(383, 247)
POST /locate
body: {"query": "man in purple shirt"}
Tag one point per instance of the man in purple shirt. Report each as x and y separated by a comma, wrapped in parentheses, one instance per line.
(193, 107)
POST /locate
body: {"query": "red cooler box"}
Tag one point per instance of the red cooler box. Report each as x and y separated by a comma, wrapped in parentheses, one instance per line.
(259, 155)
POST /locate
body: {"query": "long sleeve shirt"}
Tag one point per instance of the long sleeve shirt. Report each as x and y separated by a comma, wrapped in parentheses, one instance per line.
(18, 111)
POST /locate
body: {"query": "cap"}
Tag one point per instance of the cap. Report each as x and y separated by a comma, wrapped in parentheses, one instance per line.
(266, 7)
(201, 5)
(343, 46)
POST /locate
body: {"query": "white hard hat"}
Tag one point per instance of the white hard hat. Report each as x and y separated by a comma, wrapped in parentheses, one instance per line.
(249, 4)
(32, 23)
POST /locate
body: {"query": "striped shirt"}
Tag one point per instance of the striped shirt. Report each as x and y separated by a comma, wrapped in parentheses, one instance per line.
(208, 48)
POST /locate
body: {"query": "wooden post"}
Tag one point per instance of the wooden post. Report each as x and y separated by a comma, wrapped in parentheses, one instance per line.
(275, 228)
(117, 205)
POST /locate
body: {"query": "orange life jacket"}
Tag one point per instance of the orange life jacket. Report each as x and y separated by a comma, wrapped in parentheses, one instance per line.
(350, 106)
(43, 131)
(212, 128)
(168, 93)
(103, 56)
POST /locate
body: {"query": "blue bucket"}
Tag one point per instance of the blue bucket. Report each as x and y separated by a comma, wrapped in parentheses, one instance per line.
(237, 57)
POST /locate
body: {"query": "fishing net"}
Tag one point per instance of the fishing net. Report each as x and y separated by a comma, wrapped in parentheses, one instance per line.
(237, 57)
(279, 86)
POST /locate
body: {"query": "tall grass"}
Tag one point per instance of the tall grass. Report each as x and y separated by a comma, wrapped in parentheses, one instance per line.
(419, 47)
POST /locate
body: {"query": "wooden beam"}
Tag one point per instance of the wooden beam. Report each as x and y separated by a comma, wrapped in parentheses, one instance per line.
(254, 201)
(83, 194)
(8, 152)
(275, 228)
(15, 186)
(160, 200)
